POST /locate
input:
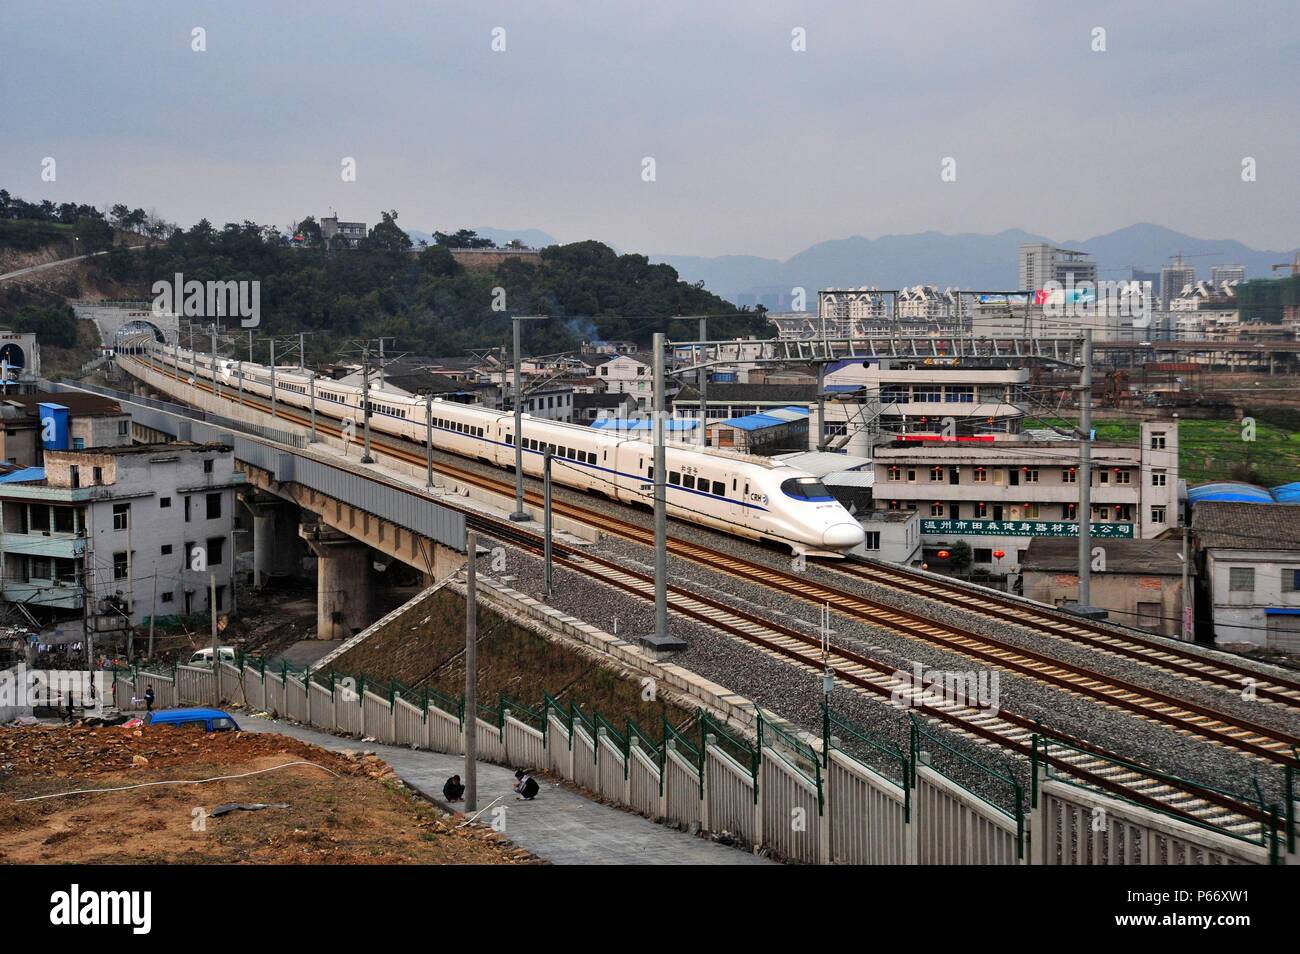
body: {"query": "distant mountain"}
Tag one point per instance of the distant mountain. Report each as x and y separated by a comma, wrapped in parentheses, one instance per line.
(968, 260)
(533, 238)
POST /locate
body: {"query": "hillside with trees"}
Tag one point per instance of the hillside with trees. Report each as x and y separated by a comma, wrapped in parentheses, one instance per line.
(385, 286)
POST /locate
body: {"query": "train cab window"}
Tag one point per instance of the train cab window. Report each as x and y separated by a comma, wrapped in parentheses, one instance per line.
(804, 488)
(510, 439)
(674, 477)
(733, 483)
(688, 482)
(650, 472)
(719, 489)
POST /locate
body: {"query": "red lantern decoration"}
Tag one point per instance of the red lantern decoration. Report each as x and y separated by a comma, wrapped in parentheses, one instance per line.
(998, 554)
(944, 554)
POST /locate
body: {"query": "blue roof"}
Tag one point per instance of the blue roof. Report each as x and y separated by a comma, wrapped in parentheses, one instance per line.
(638, 424)
(1282, 611)
(1229, 491)
(1287, 493)
(24, 475)
(755, 422)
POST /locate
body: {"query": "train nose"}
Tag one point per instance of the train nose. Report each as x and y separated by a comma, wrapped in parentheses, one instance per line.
(846, 535)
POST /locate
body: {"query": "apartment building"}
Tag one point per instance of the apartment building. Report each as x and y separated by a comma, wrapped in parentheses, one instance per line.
(1041, 263)
(883, 399)
(628, 375)
(114, 535)
(997, 496)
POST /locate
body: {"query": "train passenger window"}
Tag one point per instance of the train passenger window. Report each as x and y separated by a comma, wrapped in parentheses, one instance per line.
(650, 473)
(733, 483)
(688, 482)
(674, 477)
(719, 488)
(564, 452)
(510, 439)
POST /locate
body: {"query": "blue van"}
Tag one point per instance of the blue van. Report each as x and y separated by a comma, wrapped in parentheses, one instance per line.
(212, 720)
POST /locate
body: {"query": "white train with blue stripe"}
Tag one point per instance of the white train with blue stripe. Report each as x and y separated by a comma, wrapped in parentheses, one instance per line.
(748, 496)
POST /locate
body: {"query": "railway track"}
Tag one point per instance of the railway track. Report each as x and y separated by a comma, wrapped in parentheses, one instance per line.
(1159, 655)
(1090, 764)
(1186, 717)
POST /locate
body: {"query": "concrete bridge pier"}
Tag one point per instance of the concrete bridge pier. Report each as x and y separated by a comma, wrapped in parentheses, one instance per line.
(275, 538)
(343, 590)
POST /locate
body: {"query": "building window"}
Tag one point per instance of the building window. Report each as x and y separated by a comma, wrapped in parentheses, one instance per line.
(216, 550)
(165, 598)
(1031, 475)
(981, 510)
(1157, 514)
(981, 475)
(1241, 579)
(207, 465)
(166, 549)
(1290, 579)
(214, 506)
(187, 508)
(936, 473)
(1158, 441)
(1123, 477)
(119, 566)
(983, 555)
(1157, 478)
(936, 509)
(121, 516)
(1070, 511)
(164, 502)
(1103, 476)
(78, 443)
(895, 473)
(1070, 476)
(123, 428)
(872, 540)
(97, 476)
(1031, 511)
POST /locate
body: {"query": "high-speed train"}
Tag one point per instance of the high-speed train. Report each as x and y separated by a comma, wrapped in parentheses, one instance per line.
(744, 495)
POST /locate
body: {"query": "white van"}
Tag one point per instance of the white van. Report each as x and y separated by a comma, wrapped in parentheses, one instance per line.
(204, 656)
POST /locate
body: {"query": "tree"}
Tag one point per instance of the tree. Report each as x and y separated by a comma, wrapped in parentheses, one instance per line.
(960, 560)
(386, 236)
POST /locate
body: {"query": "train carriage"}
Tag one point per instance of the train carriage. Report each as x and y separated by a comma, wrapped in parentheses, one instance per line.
(752, 497)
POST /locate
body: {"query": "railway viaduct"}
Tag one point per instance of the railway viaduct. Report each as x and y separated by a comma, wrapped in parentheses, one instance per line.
(346, 519)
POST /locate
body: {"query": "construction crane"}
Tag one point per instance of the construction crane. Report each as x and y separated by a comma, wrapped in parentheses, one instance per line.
(1294, 265)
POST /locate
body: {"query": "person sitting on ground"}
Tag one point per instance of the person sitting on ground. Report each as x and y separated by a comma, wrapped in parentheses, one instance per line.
(453, 790)
(525, 786)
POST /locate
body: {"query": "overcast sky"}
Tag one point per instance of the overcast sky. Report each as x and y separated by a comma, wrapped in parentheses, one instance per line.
(758, 149)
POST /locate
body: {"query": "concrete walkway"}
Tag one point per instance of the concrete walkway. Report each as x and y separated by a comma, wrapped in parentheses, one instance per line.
(560, 826)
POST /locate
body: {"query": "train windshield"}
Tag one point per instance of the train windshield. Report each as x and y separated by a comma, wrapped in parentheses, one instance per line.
(805, 488)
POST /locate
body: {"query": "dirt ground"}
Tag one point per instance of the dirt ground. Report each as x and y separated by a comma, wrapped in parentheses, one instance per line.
(358, 812)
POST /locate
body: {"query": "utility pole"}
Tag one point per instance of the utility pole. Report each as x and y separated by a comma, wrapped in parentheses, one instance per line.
(311, 388)
(216, 656)
(194, 356)
(520, 515)
(250, 346)
(471, 672)
(546, 519)
(1188, 603)
(821, 406)
(1085, 475)
(365, 403)
(702, 380)
(153, 613)
(428, 442)
(661, 509)
(302, 351)
(216, 383)
(272, 378)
